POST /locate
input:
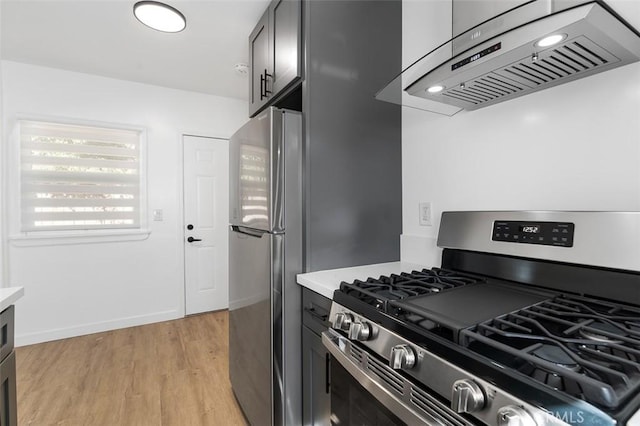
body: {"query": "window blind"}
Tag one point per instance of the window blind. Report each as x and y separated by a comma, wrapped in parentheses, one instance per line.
(78, 177)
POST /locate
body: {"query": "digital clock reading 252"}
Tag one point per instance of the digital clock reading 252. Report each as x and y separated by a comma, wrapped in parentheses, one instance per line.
(559, 234)
(530, 229)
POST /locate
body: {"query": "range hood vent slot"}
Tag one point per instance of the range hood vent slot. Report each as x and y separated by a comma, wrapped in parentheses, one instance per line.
(510, 64)
(550, 68)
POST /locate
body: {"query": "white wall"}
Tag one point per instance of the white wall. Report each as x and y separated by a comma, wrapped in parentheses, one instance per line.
(84, 288)
(571, 147)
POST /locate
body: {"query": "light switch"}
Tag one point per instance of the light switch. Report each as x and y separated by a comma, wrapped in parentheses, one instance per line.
(157, 215)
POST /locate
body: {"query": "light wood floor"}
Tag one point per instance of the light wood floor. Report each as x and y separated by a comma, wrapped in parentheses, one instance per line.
(173, 373)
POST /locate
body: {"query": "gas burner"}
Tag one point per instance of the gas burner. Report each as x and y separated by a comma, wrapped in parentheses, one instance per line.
(557, 356)
(588, 348)
(600, 332)
(557, 381)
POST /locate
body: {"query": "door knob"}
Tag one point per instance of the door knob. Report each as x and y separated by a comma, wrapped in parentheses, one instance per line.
(191, 239)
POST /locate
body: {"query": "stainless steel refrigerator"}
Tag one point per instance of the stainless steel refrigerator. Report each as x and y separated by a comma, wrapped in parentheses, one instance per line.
(265, 253)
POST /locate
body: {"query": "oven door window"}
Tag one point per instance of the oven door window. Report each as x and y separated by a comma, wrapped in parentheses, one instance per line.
(352, 404)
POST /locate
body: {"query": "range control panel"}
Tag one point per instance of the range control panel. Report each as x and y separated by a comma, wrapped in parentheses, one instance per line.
(545, 233)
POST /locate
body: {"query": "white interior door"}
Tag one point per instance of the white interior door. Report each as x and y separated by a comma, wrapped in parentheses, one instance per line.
(206, 211)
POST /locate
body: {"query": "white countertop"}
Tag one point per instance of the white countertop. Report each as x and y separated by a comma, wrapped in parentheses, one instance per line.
(325, 282)
(9, 295)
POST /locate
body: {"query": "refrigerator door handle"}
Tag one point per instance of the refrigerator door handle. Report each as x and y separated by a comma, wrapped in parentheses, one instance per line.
(248, 231)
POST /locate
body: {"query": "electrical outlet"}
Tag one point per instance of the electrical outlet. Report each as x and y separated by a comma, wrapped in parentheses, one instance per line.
(425, 214)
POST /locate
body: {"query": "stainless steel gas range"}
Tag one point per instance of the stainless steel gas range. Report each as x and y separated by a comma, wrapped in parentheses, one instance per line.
(533, 318)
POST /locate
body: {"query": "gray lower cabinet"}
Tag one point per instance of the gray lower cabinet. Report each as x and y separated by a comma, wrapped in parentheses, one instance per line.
(316, 392)
(8, 403)
(316, 389)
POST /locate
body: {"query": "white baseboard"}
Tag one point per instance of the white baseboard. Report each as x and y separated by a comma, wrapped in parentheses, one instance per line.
(96, 327)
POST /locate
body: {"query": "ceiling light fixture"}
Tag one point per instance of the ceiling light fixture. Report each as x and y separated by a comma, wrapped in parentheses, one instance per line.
(550, 40)
(159, 16)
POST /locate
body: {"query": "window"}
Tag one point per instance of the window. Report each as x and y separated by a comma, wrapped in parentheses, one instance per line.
(77, 177)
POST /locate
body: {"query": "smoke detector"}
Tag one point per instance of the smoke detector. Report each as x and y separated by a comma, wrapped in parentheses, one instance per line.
(241, 69)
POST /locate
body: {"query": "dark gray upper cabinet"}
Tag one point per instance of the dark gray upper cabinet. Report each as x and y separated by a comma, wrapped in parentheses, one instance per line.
(259, 65)
(275, 58)
(285, 27)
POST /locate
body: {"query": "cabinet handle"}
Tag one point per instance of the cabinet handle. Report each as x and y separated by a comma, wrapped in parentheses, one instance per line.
(316, 315)
(267, 92)
(262, 84)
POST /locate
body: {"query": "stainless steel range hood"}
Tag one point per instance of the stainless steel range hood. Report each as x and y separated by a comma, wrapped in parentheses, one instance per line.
(503, 57)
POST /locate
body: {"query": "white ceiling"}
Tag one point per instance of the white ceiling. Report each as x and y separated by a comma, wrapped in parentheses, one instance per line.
(104, 38)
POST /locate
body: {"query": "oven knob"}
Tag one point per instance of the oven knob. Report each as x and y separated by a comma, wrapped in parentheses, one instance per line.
(402, 357)
(512, 415)
(343, 321)
(359, 331)
(467, 396)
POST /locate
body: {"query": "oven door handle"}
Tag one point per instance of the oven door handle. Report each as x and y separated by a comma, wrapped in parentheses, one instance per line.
(337, 345)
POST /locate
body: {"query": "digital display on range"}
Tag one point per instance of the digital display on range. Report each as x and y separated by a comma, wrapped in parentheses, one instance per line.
(558, 234)
(476, 56)
(530, 229)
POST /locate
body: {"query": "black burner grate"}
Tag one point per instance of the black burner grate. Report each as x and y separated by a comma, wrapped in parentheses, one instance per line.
(586, 347)
(377, 292)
